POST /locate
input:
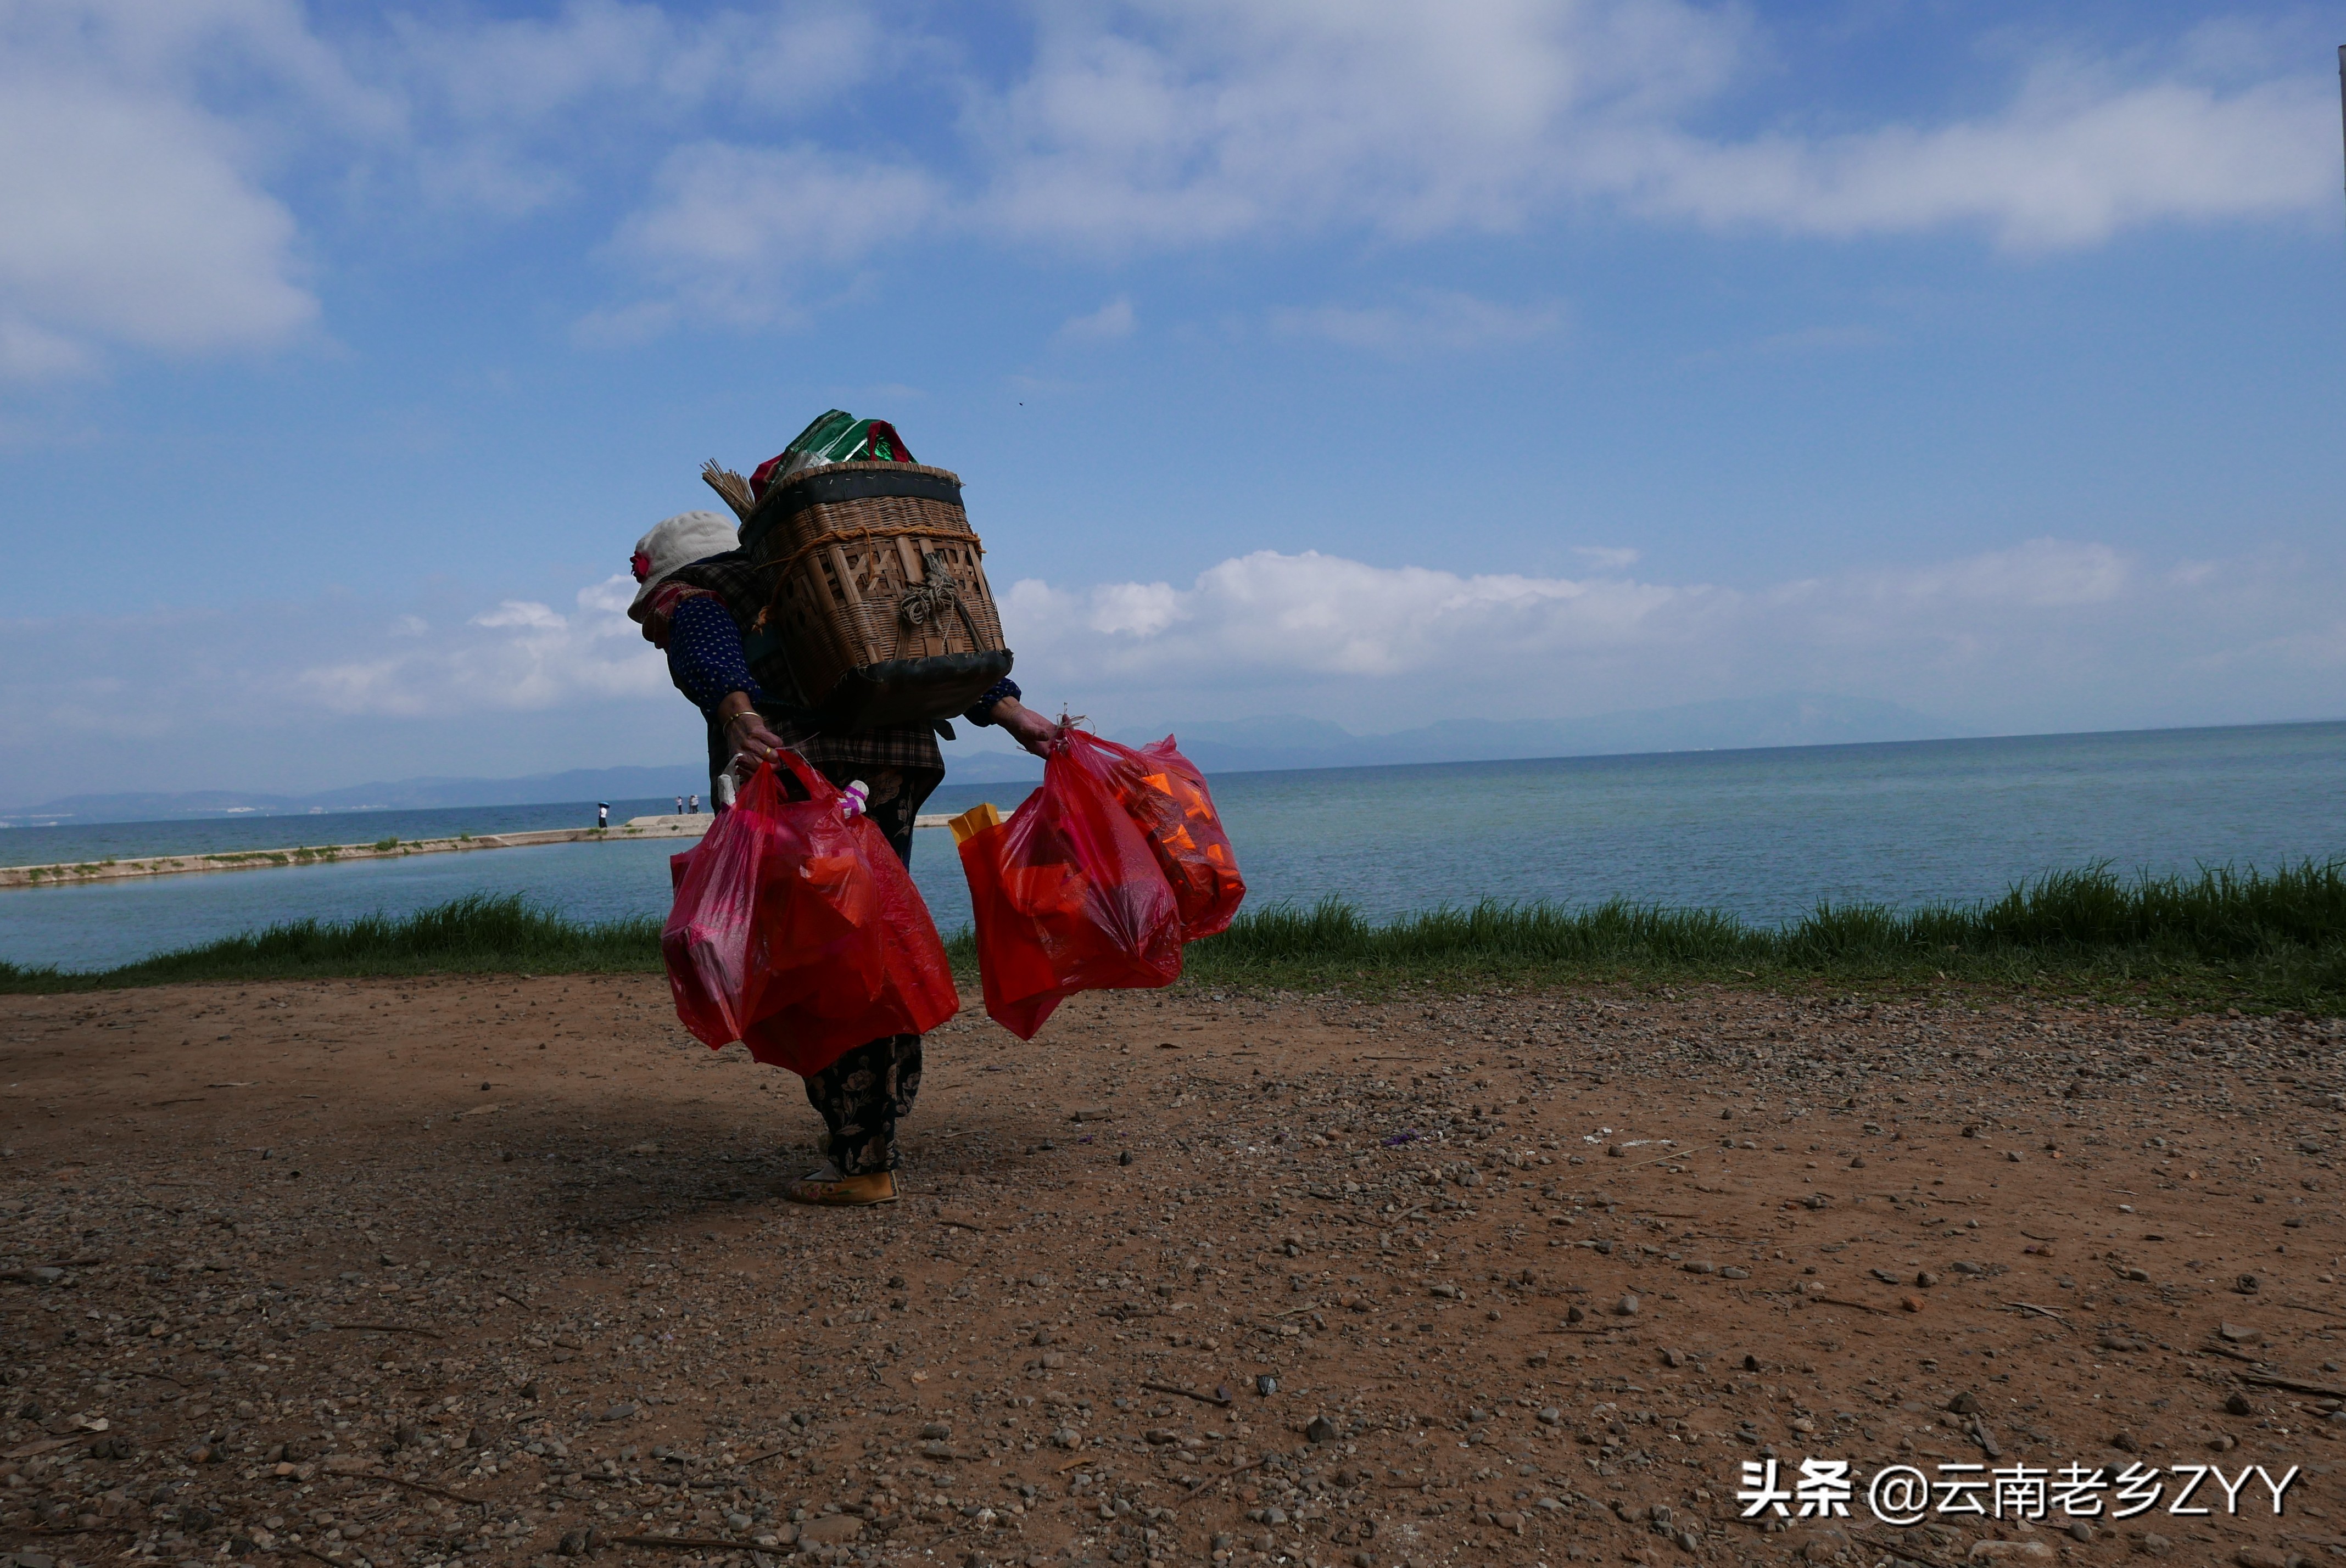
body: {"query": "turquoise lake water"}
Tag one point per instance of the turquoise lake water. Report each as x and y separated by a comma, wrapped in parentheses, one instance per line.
(1765, 834)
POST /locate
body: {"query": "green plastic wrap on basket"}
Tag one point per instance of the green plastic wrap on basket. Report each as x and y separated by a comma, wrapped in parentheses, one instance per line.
(836, 436)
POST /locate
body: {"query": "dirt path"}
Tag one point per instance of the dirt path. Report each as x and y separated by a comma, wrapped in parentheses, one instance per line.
(388, 1272)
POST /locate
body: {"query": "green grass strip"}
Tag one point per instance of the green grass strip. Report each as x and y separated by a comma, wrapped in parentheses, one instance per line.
(2219, 937)
(2267, 940)
(480, 933)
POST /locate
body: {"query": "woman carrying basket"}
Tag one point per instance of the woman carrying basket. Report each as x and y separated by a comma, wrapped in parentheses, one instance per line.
(697, 596)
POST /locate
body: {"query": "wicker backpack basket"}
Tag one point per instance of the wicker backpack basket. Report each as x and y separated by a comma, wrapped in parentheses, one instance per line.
(880, 599)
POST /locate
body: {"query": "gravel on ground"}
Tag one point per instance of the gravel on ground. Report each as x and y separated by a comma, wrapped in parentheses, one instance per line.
(497, 1269)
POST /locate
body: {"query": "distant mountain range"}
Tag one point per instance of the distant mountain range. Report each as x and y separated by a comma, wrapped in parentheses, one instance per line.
(1793, 720)
(1291, 741)
(1218, 746)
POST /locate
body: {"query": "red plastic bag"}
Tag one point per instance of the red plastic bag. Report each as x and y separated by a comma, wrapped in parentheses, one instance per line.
(774, 908)
(797, 930)
(1166, 797)
(1067, 896)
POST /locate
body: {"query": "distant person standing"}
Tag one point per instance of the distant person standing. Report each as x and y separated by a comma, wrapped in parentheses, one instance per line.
(679, 805)
(602, 813)
(694, 809)
(698, 595)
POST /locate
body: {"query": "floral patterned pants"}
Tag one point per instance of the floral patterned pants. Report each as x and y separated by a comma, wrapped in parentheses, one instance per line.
(861, 1096)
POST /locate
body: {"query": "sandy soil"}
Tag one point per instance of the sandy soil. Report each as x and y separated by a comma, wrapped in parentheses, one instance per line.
(391, 1272)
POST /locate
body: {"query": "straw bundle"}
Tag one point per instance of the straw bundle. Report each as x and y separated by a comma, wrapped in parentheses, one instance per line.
(731, 485)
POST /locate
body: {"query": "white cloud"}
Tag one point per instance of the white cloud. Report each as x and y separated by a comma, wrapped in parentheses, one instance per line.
(1608, 558)
(506, 105)
(643, 60)
(2041, 575)
(2050, 631)
(738, 232)
(1139, 609)
(1147, 126)
(30, 353)
(1999, 631)
(131, 220)
(2073, 160)
(1110, 323)
(148, 147)
(1159, 125)
(527, 70)
(137, 141)
(1325, 615)
(1156, 126)
(289, 696)
(1436, 321)
(521, 613)
(611, 596)
(2048, 634)
(520, 656)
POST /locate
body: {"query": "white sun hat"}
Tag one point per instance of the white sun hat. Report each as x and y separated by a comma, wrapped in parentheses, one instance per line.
(678, 542)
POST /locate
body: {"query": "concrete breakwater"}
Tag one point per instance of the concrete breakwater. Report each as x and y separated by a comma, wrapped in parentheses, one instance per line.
(78, 874)
(82, 872)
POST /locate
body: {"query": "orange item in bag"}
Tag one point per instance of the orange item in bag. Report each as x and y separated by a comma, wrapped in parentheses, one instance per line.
(1166, 797)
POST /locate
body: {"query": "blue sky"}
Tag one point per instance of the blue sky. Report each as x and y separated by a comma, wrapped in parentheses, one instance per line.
(1383, 363)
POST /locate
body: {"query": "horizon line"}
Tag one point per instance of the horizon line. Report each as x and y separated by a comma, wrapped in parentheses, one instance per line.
(64, 818)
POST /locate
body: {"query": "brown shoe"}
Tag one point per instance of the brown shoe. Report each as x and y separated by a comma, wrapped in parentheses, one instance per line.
(828, 1187)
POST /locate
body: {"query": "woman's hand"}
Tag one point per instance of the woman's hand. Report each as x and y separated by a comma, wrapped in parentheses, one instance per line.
(1026, 727)
(746, 732)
